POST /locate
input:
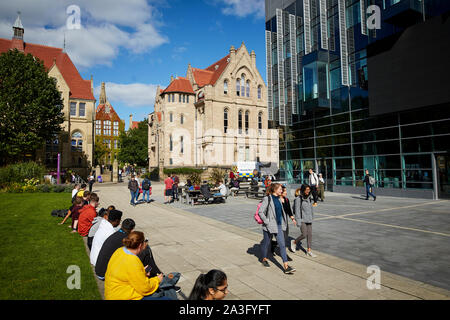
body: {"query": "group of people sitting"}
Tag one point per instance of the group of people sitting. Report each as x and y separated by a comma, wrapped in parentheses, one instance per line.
(123, 259)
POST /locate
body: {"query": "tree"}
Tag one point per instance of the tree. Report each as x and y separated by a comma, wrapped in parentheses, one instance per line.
(134, 145)
(101, 150)
(30, 106)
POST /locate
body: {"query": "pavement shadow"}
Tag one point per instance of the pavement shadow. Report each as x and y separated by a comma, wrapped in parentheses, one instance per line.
(362, 197)
(256, 251)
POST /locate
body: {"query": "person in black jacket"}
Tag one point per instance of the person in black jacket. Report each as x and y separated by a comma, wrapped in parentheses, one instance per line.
(111, 244)
(369, 186)
(133, 185)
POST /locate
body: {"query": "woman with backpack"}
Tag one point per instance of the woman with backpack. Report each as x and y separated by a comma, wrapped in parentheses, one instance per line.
(274, 222)
(303, 210)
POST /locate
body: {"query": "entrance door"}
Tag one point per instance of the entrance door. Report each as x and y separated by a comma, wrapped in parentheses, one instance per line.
(325, 167)
(443, 168)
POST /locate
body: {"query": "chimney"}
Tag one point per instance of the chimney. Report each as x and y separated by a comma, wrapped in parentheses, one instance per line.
(253, 58)
(171, 79)
(232, 53)
(131, 120)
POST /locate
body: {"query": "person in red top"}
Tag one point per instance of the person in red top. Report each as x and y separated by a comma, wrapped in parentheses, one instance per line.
(231, 175)
(87, 215)
(168, 191)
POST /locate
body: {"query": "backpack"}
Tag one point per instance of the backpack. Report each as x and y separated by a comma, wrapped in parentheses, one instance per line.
(371, 180)
(146, 184)
(256, 216)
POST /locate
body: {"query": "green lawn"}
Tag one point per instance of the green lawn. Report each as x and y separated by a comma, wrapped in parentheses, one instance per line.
(35, 251)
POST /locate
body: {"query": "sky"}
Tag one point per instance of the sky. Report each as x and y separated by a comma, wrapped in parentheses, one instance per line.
(135, 45)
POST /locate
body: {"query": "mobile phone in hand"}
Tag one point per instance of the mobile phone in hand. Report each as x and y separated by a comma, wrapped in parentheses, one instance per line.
(148, 269)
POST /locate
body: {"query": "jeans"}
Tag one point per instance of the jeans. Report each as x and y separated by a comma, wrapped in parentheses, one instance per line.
(155, 298)
(314, 192)
(280, 240)
(146, 193)
(134, 196)
(175, 192)
(368, 193)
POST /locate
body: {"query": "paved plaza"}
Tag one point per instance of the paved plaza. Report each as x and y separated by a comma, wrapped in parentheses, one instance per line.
(408, 239)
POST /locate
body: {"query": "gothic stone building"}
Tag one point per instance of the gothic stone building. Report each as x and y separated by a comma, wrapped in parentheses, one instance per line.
(213, 117)
(76, 141)
(108, 125)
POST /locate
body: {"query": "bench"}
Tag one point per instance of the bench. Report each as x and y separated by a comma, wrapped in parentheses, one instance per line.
(255, 194)
(200, 198)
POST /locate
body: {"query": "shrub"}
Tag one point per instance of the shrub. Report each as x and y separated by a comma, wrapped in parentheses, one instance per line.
(195, 178)
(18, 172)
(185, 171)
(217, 175)
(44, 188)
(58, 188)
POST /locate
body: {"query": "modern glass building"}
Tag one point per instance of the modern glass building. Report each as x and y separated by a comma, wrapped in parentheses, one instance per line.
(362, 84)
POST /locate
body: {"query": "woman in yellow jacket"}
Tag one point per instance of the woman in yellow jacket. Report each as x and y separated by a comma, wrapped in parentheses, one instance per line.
(126, 277)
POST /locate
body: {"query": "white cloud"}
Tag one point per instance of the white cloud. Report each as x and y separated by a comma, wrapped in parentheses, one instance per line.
(132, 95)
(106, 27)
(243, 8)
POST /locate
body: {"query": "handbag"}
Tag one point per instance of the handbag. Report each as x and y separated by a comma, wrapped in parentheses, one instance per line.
(140, 190)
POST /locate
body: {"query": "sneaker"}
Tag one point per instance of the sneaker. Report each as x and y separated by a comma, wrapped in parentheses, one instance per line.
(374, 198)
(177, 289)
(289, 270)
(312, 255)
(265, 263)
(293, 246)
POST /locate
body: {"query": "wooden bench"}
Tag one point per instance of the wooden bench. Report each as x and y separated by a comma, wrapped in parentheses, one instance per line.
(201, 199)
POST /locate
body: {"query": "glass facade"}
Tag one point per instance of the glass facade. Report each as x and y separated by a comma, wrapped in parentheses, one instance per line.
(319, 97)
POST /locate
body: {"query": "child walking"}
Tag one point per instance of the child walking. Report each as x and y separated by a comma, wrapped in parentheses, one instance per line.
(303, 210)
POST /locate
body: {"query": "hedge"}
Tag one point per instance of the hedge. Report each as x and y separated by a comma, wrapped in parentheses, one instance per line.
(185, 171)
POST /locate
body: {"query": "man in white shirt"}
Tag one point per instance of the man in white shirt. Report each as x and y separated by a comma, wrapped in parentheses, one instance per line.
(314, 184)
(105, 229)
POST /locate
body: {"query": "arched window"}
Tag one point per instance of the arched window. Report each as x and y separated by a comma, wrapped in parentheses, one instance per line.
(247, 88)
(240, 121)
(260, 123)
(77, 141)
(243, 85)
(181, 144)
(225, 87)
(225, 120)
(247, 116)
(259, 92)
(238, 87)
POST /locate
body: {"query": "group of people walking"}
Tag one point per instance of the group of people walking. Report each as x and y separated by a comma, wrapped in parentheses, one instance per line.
(274, 211)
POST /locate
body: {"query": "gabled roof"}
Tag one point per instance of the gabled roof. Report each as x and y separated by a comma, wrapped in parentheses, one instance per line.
(101, 114)
(180, 84)
(79, 88)
(134, 125)
(211, 74)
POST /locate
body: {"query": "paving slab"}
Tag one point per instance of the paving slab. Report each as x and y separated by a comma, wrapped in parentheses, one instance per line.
(190, 242)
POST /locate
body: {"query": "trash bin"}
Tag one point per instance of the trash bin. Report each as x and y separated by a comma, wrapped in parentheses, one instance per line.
(99, 178)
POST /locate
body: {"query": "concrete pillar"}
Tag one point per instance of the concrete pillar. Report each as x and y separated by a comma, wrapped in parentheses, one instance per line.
(115, 171)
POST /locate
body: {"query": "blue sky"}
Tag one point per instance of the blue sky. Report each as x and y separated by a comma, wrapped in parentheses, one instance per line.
(135, 45)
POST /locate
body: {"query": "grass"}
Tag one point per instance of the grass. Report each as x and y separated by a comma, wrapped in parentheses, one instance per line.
(35, 251)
